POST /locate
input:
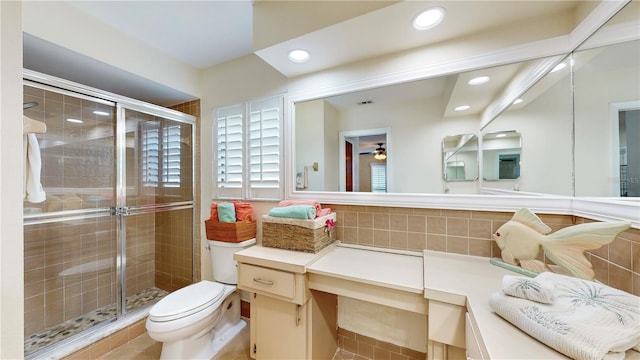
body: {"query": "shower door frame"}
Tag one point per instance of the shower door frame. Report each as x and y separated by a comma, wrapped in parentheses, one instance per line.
(121, 210)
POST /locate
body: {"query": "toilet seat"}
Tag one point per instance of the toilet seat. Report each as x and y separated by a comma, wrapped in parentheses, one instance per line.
(187, 301)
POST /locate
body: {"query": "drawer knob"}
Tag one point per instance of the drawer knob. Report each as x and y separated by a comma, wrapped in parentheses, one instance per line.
(263, 282)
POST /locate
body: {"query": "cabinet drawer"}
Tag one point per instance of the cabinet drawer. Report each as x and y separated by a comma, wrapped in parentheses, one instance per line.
(267, 281)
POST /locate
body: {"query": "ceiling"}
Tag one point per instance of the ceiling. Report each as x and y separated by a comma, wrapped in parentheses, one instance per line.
(207, 33)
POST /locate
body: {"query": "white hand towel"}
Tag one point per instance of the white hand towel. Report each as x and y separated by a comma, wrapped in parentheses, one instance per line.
(528, 288)
(32, 167)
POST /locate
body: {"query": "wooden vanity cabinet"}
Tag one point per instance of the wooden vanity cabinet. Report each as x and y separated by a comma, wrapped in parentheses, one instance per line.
(446, 329)
(288, 321)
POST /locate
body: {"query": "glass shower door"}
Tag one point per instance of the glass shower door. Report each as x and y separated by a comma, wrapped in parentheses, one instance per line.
(69, 238)
(157, 205)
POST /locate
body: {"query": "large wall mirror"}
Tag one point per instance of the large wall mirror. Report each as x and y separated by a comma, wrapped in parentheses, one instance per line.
(607, 108)
(543, 116)
(417, 117)
(577, 126)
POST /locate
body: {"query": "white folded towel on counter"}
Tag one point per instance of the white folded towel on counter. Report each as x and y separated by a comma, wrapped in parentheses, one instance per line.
(33, 191)
(528, 288)
(586, 320)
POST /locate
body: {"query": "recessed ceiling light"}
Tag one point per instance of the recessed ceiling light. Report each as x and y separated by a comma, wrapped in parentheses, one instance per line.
(517, 101)
(479, 80)
(462, 108)
(101, 113)
(559, 67)
(75, 121)
(428, 18)
(299, 56)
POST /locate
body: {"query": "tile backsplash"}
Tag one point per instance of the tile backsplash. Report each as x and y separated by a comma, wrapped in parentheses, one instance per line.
(470, 233)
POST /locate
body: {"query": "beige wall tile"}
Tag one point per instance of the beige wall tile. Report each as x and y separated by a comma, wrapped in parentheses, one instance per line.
(436, 225)
(620, 278)
(398, 222)
(457, 227)
(398, 240)
(365, 220)
(381, 221)
(620, 253)
(437, 242)
(381, 238)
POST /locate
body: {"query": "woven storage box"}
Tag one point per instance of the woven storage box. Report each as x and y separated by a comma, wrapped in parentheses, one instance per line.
(230, 231)
(297, 234)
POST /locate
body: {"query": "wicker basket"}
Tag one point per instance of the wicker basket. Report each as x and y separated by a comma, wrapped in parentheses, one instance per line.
(230, 231)
(295, 234)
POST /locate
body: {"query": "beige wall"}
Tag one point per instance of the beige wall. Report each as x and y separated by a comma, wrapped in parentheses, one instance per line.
(11, 238)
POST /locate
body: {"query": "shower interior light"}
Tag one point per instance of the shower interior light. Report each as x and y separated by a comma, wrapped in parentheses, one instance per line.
(501, 135)
(299, 56)
(462, 108)
(75, 121)
(101, 113)
(479, 80)
(428, 18)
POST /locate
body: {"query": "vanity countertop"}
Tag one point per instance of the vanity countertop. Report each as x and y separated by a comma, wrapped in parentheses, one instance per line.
(287, 260)
(394, 270)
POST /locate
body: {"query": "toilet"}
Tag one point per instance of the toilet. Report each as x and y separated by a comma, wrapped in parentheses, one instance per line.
(195, 322)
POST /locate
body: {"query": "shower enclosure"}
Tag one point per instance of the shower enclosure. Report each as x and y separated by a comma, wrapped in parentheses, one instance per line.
(116, 231)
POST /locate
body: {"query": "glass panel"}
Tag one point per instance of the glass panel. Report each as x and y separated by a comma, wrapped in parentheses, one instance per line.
(69, 238)
(159, 160)
(159, 241)
(77, 151)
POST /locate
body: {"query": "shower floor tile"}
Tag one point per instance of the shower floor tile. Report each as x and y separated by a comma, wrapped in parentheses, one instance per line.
(62, 331)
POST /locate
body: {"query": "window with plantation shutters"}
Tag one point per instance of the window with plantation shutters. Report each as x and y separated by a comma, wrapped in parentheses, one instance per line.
(248, 140)
(161, 155)
(378, 178)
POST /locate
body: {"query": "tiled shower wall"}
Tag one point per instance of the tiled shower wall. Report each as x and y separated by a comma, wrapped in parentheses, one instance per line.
(469, 233)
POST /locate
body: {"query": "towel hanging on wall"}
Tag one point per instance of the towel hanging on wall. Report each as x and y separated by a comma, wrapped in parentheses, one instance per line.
(33, 191)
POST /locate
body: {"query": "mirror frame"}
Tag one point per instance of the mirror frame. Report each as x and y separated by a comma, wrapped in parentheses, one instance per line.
(554, 50)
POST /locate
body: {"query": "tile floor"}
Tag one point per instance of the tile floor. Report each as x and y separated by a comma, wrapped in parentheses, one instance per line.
(69, 328)
(145, 348)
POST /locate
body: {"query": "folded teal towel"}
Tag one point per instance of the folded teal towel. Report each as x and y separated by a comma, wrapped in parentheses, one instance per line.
(226, 212)
(306, 212)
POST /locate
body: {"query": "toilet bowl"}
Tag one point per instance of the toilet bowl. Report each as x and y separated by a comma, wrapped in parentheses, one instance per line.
(195, 322)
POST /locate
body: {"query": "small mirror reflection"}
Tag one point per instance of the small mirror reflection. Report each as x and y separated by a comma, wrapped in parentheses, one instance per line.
(501, 155)
(460, 157)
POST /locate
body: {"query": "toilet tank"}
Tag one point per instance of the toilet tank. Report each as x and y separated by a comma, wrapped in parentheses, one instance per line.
(225, 269)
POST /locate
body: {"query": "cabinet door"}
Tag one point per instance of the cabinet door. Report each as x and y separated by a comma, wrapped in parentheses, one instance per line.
(279, 329)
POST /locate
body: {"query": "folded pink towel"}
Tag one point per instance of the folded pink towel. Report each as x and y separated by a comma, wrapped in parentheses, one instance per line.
(323, 212)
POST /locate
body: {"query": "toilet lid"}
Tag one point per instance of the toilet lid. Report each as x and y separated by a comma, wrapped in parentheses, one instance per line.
(186, 301)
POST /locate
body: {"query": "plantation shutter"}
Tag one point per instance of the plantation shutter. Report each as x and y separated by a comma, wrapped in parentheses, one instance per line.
(265, 117)
(150, 155)
(171, 156)
(248, 138)
(161, 155)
